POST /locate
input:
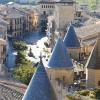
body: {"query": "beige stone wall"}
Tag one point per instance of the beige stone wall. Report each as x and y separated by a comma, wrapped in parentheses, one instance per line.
(64, 14)
(62, 74)
(87, 49)
(92, 77)
(2, 50)
(49, 8)
(74, 52)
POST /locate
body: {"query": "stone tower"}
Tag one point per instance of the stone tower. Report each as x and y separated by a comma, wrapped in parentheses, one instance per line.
(60, 67)
(72, 43)
(40, 87)
(65, 10)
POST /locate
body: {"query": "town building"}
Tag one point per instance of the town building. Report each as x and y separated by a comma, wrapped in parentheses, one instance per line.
(46, 7)
(3, 45)
(15, 19)
(93, 67)
(21, 21)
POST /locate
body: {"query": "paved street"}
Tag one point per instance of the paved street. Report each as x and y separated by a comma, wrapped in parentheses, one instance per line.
(34, 41)
(11, 56)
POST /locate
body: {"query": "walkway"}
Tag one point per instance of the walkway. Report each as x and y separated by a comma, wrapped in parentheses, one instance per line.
(30, 39)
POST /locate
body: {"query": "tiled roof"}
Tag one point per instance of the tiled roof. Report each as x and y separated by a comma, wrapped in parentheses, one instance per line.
(40, 87)
(60, 58)
(65, 1)
(56, 1)
(71, 39)
(94, 59)
(46, 1)
(88, 31)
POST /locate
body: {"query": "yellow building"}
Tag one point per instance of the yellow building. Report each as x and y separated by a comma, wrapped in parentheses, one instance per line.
(93, 67)
(33, 20)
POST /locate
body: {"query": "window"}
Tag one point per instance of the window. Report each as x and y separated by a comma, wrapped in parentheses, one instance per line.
(42, 6)
(63, 78)
(15, 21)
(20, 21)
(46, 6)
(98, 83)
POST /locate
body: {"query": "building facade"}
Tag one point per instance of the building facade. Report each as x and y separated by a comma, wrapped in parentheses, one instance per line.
(93, 67)
(3, 45)
(63, 14)
(46, 6)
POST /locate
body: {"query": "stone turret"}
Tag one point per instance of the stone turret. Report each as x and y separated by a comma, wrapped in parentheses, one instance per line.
(60, 65)
(40, 87)
(72, 43)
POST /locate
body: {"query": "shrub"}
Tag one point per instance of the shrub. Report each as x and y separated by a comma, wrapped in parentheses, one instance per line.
(92, 94)
(84, 92)
(97, 91)
(24, 73)
(19, 45)
(20, 58)
(71, 98)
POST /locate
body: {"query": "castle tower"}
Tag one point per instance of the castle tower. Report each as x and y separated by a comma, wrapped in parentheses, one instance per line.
(72, 43)
(40, 87)
(60, 65)
(93, 67)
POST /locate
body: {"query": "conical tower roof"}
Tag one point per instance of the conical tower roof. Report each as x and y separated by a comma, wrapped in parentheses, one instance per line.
(94, 59)
(40, 87)
(60, 57)
(71, 40)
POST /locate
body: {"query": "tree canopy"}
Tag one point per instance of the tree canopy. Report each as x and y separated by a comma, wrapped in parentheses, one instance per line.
(24, 72)
(91, 3)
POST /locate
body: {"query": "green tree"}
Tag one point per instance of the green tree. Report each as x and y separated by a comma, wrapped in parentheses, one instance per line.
(24, 72)
(92, 4)
(20, 58)
(20, 45)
